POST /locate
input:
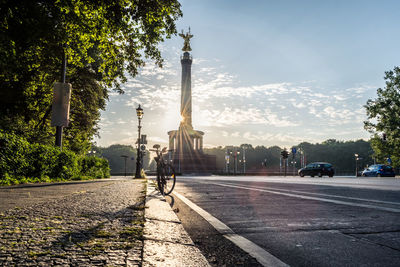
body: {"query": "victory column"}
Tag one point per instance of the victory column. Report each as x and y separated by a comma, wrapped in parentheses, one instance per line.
(187, 143)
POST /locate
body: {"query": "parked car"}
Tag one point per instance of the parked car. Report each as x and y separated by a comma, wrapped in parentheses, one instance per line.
(317, 169)
(379, 170)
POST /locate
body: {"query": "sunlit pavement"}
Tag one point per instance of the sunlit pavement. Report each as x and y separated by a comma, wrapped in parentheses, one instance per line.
(337, 221)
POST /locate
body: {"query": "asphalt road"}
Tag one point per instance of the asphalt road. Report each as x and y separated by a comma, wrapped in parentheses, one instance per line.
(250, 221)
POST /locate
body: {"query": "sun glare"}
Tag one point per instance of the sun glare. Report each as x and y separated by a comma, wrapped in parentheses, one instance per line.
(172, 118)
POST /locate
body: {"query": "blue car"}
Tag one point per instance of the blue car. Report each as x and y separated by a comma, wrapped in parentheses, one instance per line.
(378, 170)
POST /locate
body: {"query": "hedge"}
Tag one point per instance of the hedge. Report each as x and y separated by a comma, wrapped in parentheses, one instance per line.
(22, 162)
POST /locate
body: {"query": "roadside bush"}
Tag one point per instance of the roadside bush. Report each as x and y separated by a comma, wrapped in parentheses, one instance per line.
(94, 167)
(41, 161)
(13, 160)
(66, 166)
(22, 162)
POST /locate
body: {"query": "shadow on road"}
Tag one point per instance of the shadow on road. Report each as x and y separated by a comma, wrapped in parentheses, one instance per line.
(120, 230)
(171, 200)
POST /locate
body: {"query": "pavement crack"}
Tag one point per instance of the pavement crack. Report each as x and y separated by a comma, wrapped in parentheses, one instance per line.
(160, 220)
(168, 241)
(373, 232)
(366, 240)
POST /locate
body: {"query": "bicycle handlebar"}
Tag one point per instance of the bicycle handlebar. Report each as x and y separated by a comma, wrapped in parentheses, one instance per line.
(164, 150)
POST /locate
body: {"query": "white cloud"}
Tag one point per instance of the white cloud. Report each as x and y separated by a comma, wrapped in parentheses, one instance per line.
(157, 139)
(299, 105)
(235, 134)
(262, 113)
(240, 116)
(278, 139)
(120, 121)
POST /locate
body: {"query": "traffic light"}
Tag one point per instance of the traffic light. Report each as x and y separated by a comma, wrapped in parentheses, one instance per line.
(383, 137)
(285, 154)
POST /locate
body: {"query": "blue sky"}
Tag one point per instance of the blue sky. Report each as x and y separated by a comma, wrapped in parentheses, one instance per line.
(265, 73)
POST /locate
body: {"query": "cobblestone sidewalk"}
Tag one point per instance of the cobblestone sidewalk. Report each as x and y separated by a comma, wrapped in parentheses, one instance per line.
(100, 227)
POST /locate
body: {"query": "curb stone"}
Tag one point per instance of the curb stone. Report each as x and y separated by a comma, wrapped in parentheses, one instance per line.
(166, 242)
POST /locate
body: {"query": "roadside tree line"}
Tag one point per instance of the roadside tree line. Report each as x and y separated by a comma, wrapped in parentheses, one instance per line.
(261, 159)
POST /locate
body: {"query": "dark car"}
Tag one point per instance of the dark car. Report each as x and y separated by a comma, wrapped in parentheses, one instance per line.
(317, 169)
(379, 170)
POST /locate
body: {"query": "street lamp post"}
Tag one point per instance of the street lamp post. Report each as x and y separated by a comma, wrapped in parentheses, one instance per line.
(244, 160)
(356, 157)
(125, 158)
(227, 162)
(139, 113)
(235, 161)
(228, 165)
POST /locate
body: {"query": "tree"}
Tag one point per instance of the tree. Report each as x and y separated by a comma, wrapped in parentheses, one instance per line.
(340, 154)
(384, 118)
(104, 41)
(254, 157)
(113, 154)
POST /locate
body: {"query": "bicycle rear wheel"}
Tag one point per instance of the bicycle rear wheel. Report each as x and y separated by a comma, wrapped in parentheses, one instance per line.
(168, 180)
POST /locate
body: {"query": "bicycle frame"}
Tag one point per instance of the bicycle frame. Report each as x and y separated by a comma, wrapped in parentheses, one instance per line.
(165, 172)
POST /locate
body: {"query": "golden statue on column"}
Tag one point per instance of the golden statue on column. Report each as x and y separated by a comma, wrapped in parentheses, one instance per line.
(186, 37)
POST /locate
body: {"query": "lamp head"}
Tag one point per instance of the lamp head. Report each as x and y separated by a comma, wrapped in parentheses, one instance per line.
(139, 112)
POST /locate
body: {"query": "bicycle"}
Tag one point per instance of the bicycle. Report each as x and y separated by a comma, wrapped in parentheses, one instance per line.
(166, 177)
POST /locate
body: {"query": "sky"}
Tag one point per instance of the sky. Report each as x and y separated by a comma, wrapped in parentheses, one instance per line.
(264, 73)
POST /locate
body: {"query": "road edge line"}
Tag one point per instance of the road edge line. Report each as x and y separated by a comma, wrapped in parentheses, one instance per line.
(262, 256)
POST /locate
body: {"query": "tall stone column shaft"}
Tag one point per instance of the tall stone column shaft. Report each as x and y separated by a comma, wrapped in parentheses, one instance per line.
(186, 89)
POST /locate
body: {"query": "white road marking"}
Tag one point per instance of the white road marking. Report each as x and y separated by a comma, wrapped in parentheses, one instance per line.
(328, 195)
(261, 255)
(313, 198)
(392, 184)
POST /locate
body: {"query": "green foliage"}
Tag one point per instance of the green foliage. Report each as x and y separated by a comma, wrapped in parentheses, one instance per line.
(13, 156)
(384, 117)
(66, 166)
(94, 167)
(113, 154)
(104, 41)
(22, 162)
(339, 153)
(254, 156)
(42, 160)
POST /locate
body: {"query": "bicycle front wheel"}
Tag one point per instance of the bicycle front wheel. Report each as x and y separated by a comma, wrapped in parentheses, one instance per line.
(169, 179)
